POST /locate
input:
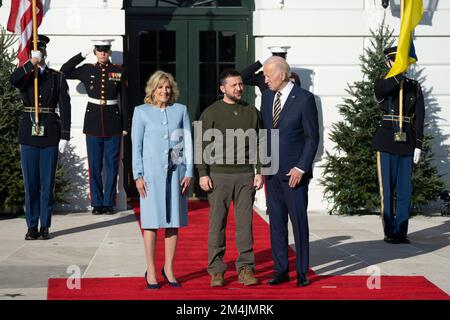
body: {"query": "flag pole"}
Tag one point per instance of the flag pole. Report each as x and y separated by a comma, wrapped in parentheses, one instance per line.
(400, 98)
(36, 110)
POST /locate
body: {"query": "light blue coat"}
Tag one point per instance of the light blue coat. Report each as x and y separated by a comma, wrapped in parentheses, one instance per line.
(153, 133)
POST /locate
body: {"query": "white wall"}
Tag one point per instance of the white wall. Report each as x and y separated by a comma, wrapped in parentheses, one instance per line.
(326, 36)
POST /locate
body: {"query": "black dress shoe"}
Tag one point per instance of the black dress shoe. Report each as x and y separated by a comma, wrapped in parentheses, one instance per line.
(108, 210)
(302, 280)
(32, 234)
(392, 240)
(279, 279)
(151, 285)
(403, 239)
(171, 284)
(44, 234)
(97, 210)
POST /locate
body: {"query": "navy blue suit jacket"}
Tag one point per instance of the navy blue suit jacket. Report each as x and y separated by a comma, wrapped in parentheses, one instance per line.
(298, 130)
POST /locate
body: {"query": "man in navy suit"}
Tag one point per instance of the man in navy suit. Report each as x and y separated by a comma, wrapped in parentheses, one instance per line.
(290, 113)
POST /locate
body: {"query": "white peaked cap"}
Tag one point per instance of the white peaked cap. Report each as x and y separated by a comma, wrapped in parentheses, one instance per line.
(102, 42)
(277, 49)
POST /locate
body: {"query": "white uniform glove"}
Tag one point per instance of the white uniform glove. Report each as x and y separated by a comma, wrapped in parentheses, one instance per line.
(36, 54)
(417, 153)
(62, 145)
(265, 56)
(87, 52)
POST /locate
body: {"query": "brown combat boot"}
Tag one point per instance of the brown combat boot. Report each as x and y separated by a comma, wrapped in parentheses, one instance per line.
(217, 280)
(247, 276)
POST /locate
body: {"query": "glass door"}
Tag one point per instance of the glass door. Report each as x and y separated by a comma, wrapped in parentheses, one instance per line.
(157, 45)
(213, 47)
(195, 51)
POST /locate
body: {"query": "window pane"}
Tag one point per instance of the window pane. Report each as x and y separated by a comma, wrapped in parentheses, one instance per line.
(227, 46)
(167, 46)
(186, 3)
(207, 46)
(168, 67)
(208, 79)
(145, 71)
(147, 46)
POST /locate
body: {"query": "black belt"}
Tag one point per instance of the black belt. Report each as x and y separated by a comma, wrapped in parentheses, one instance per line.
(391, 117)
(40, 109)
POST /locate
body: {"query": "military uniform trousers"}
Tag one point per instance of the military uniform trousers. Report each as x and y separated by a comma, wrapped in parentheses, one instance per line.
(395, 181)
(38, 169)
(236, 187)
(283, 202)
(103, 150)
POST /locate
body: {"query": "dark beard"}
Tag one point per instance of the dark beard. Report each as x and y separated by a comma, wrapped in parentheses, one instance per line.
(232, 98)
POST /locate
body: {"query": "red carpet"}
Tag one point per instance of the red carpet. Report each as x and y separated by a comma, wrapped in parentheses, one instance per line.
(190, 268)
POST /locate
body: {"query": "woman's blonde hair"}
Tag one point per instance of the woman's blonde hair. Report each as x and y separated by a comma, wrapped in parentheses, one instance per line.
(156, 79)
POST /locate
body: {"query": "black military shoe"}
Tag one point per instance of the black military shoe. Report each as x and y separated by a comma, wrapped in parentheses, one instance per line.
(108, 210)
(97, 210)
(32, 234)
(403, 239)
(392, 240)
(44, 234)
(279, 279)
(302, 280)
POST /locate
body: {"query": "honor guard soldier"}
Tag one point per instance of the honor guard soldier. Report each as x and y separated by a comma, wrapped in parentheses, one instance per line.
(40, 136)
(398, 142)
(251, 76)
(105, 121)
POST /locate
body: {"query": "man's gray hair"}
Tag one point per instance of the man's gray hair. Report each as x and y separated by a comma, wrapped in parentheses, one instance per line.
(280, 64)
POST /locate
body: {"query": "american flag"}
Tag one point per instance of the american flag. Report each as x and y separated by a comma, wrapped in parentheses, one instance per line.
(21, 23)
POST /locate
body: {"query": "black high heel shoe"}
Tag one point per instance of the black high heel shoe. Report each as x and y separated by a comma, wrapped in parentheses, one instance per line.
(151, 286)
(171, 284)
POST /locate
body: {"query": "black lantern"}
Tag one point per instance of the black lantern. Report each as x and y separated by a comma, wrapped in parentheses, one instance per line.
(385, 3)
(445, 206)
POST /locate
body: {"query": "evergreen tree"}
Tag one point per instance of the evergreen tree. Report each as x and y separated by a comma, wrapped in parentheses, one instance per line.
(350, 174)
(11, 185)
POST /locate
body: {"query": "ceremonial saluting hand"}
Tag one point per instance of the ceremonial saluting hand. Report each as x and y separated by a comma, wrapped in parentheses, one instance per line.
(87, 52)
(36, 57)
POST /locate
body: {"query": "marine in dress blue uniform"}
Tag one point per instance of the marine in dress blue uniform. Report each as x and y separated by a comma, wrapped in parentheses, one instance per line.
(39, 150)
(398, 147)
(105, 121)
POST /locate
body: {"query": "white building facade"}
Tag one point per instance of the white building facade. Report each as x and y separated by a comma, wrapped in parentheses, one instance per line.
(326, 39)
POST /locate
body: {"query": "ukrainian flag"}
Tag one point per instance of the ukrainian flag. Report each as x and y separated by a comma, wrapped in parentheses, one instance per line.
(406, 53)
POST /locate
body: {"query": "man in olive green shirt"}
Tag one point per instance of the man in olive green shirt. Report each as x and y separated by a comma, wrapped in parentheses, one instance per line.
(230, 171)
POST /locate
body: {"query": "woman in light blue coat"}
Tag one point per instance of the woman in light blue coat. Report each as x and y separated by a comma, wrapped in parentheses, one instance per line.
(162, 168)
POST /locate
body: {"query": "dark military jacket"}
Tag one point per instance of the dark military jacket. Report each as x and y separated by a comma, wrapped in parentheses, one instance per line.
(387, 96)
(251, 77)
(102, 82)
(52, 93)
